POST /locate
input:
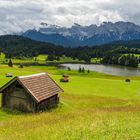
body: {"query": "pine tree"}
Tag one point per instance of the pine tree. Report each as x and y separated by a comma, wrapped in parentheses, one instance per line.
(58, 58)
(80, 70)
(10, 64)
(83, 70)
(69, 69)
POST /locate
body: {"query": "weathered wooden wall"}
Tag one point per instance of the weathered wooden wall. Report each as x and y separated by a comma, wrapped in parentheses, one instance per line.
(48, 103)
(15, 97)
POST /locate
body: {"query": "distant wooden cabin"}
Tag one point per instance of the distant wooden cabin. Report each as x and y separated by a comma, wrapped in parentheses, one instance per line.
(9, 75)
(65, 78)
(32, 93)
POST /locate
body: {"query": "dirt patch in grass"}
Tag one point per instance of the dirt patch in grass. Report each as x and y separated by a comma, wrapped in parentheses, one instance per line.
(121, 109)
(93, 101)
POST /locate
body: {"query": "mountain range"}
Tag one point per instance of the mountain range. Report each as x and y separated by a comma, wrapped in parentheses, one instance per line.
(78, 35)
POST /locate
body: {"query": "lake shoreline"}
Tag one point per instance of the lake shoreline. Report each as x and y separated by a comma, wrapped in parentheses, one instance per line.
(106, 69)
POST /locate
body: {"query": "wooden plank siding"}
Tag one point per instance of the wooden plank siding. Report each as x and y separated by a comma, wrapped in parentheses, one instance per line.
(31, 93)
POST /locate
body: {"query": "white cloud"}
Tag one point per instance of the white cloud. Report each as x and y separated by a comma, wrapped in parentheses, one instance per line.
(20, 15)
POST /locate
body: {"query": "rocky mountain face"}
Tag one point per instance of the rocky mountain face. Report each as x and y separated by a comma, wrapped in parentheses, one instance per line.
(91, 35)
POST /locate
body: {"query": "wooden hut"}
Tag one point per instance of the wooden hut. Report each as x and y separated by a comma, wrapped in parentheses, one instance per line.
(32, 93)
(65, 78)
(9, 75)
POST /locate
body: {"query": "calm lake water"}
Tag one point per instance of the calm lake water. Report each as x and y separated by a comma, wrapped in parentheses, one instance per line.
(107, 69)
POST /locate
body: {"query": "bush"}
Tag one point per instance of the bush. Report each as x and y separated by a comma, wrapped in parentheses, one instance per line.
(88, 71)
(20, 66)
(127, 80)
(69, 69)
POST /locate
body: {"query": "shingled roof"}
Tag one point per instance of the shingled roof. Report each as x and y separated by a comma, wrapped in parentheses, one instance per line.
(40, 86)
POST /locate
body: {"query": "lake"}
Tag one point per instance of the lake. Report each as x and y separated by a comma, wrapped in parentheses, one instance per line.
(107, 69)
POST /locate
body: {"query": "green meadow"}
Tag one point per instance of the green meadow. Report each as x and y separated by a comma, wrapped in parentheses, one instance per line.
(94, 106)
(40, 59)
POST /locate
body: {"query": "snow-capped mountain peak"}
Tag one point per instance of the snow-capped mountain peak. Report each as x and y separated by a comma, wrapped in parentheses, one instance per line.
(78, 35)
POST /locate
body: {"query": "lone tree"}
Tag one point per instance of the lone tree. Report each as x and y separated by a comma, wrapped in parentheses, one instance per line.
(80, 69)
(10, 63)
(69, 69)
(35, 59)
(83, 70)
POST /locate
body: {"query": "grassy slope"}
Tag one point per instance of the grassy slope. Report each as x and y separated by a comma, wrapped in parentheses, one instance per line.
(93, 106)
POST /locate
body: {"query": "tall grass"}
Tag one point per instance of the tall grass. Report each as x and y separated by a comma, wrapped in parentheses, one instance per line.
(93, 106)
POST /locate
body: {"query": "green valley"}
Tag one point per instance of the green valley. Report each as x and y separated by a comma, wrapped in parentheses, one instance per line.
(93, 106)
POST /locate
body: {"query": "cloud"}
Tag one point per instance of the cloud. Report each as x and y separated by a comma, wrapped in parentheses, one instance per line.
(21, 15)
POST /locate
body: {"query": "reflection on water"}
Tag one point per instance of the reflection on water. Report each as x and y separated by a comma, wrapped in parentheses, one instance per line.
(107, 69)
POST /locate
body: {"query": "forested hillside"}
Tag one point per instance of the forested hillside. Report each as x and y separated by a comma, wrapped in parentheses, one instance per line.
(115, 53)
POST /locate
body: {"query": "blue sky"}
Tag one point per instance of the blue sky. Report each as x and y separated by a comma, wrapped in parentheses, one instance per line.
(20, 15)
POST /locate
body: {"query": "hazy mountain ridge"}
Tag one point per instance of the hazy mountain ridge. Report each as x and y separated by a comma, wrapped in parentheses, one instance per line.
(91, 35)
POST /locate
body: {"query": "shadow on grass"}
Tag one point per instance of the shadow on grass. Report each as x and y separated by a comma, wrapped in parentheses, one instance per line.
(16, 112)
(11, 111)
